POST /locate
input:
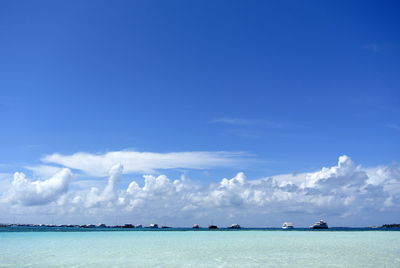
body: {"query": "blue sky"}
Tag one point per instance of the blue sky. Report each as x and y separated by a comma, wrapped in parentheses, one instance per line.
(288, 85)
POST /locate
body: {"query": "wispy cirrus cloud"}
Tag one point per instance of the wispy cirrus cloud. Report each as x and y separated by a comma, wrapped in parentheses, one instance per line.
(31, 146)
(374, 47)
(246, 122)
(394, 126)
(144, 162)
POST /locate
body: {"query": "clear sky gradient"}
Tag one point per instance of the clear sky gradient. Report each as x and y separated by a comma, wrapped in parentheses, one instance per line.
(292, 85)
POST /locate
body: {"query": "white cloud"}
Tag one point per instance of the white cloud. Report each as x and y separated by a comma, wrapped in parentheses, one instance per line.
(43, 171)
(30, 193)
(345, 192)
(5, 182)
(95, 198)
(144, 162)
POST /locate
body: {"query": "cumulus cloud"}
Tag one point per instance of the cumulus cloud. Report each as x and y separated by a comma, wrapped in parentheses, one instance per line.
(144, 162)
(95, 197)
(343, 191)
(31, 193)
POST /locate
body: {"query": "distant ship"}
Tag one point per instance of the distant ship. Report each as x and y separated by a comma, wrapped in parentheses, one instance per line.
(234, 226)
(212, 227)
(319, 225)
(287, 225)
(153, 225)
(196, 226)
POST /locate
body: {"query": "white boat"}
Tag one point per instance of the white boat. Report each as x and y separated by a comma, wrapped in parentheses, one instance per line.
(234, 226)
(287, 225)
(319, 225)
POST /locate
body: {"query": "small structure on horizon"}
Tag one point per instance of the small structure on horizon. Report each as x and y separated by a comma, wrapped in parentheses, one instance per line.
(287, 225)
(234, 226)
(319, 225)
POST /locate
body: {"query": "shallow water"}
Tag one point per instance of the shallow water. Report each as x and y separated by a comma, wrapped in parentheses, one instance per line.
(251, 248)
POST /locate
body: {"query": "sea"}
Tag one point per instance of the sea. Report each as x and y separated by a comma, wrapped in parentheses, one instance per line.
(184, 247)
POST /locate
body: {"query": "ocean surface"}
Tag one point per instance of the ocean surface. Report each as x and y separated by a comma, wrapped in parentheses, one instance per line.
(49, 247)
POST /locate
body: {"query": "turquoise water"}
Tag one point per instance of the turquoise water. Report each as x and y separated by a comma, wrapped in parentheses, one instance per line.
(200, 249)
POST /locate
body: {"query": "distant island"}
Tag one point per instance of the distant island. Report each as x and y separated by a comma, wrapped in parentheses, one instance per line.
(393, 225)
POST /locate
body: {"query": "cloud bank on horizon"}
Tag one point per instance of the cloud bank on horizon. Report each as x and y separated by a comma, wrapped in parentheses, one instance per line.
(343, 192)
